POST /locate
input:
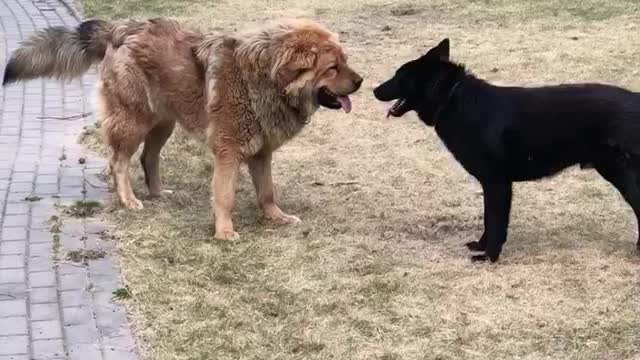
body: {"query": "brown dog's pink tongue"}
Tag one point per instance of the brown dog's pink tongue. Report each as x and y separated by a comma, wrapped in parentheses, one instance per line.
(345, 102)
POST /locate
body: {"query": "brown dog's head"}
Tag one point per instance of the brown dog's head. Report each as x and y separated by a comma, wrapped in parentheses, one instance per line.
(302, 56)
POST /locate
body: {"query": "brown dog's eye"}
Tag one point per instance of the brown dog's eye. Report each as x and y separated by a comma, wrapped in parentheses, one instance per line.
(334, 67)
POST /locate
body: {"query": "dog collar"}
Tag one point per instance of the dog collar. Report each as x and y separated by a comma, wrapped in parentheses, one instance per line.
(446, 102)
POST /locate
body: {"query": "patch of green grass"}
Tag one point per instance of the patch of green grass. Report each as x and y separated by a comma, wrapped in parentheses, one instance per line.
(122, 294)
(83, 255)
(83, 208)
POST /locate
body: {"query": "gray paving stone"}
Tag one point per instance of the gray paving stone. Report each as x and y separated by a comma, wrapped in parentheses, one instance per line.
(23, 177)
(71, 191)
(25, 167)
(84, 352)
(16, 209)
(75, 298)
(40, 236)
(43, 295)
(47, 311)
(9, 131)
(5, 173)
(14, 357)
(118, 355)
(11, 261)
(73, 282)
(13, 247)
(14, 233)
(16, 220)
(71, 268)
(73, 227)
(77, 315)
(43, 330)
(71, 243)
(39, 222)
(71, 181)
(46, 189)
(15, 325)
(15, 291)
(47, 349)
(48, 169)
(42, 279)
(10, 308)
(123, 343)
(40, 263)
(46, 179)
(12, 276)
(14, 344)
(42, 249)
(81, 334)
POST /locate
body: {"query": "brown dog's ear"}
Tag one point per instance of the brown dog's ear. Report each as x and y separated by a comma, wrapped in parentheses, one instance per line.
(289, 65)
(285, 76)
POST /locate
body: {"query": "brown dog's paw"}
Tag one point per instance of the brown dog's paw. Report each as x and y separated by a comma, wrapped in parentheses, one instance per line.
(285, 219)
(133, 204)
(226, 235)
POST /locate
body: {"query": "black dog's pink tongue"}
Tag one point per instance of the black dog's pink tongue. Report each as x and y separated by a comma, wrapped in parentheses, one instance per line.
(345, 102)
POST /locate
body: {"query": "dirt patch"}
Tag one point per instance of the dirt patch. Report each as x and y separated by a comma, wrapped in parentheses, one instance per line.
(406, 10)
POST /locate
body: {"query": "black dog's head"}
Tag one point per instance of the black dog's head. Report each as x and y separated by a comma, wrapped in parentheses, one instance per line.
(417, 84)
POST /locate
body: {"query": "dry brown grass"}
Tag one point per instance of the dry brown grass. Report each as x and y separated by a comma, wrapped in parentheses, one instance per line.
(377, 269)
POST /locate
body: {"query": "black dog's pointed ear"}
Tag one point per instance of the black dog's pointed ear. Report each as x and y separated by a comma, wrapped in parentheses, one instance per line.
(441, 51)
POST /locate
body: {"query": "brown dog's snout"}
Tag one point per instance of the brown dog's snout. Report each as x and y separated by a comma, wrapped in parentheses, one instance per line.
(357, 81)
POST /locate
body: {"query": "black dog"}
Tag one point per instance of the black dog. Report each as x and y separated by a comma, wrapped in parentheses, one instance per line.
(506, 134)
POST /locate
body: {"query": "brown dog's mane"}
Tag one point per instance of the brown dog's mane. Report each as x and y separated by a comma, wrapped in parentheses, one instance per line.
(252, 63)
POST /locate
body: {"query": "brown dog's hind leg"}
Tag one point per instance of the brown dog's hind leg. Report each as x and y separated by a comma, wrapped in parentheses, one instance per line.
(121, 161)
(124, 134)
(260, 169)
(150, 158)
(225, 178)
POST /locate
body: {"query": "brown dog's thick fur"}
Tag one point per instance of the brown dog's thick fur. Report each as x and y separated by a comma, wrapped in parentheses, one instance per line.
(244, 94)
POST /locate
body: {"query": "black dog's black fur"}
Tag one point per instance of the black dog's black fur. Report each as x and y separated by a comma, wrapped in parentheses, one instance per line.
(506, 134)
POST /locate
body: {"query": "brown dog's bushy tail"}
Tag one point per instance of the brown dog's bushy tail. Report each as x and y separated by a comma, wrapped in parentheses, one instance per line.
(59, 52)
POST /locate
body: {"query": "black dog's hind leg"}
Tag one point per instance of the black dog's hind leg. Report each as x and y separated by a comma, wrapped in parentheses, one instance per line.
(624, 174)
(497, 207)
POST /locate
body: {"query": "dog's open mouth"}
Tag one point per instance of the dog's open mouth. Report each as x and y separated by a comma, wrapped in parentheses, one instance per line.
(399, 108)
(332, 101)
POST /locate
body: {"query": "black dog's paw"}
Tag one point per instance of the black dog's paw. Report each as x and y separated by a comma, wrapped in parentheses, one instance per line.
(479, 258)
(475, 246)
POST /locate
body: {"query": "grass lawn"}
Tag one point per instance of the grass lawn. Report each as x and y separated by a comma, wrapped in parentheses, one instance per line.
(377, 269)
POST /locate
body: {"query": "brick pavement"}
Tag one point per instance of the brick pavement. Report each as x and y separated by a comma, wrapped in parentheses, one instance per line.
(51, 307)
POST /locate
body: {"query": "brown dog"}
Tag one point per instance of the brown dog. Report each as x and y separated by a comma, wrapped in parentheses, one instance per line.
(245, 94)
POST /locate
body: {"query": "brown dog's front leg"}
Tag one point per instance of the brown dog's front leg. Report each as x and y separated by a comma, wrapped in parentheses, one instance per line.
(225, 177)
(260, 169)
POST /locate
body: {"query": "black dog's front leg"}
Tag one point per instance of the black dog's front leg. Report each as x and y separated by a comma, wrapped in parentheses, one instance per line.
(497, 207)
(479, 245)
